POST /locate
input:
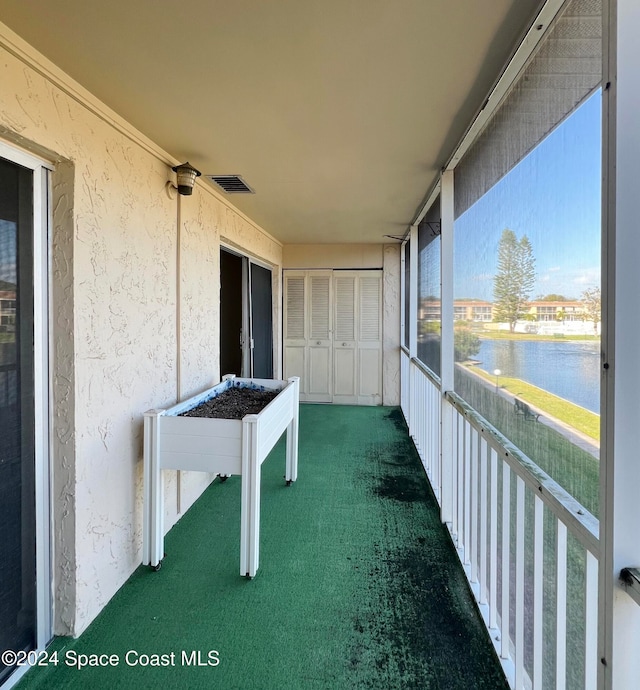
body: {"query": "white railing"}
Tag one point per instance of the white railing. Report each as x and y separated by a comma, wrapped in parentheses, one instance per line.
(529, 549)
(405, 364)
(425, 418)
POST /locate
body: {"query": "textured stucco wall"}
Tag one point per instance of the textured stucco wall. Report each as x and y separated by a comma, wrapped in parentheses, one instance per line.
(116, 325)
(310, 256)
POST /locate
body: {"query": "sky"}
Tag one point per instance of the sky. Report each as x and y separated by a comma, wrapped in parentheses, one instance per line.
(554, 197)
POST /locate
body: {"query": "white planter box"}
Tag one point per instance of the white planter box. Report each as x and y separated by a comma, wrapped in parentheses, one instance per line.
(222, 446)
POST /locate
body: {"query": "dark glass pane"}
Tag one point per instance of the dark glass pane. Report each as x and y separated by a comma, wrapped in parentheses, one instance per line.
(230, 313)
(261, 322)
(429, 291)
(17, 459)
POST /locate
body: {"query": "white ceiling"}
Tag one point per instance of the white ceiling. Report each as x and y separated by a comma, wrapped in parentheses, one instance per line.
(339, 113)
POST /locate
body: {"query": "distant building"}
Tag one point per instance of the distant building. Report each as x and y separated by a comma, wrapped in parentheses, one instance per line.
(556, 311)
(7, 307)
(472, 310)
(480, 311)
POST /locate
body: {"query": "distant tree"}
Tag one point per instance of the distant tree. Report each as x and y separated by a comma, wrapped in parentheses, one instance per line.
(553, 298)
(592, 306)
(515, 278)
(561, 314)
(426, 328)
(466, 343)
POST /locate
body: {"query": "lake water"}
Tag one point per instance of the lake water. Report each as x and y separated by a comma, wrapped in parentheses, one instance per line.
(570, 370)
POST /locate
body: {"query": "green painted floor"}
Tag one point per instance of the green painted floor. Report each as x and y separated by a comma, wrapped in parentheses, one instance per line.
(358, 586)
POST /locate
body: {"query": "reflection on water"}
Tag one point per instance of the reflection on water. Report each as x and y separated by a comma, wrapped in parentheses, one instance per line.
(568, 369)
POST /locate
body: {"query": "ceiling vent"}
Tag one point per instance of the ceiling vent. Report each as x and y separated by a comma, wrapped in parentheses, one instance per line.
(231, 184)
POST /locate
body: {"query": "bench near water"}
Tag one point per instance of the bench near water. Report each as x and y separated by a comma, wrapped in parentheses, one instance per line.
(524, 409)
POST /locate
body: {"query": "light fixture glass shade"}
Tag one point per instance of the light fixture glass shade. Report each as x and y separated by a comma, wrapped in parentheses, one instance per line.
(186, 175)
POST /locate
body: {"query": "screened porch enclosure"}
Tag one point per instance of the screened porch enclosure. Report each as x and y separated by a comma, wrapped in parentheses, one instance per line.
(501, 362)
(441, 241)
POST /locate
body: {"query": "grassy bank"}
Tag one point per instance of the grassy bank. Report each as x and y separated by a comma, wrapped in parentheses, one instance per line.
(572, 467)
(505, 335)
(579, 418)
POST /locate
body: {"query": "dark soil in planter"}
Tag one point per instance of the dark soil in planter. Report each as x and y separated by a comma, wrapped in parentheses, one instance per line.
(234, 403)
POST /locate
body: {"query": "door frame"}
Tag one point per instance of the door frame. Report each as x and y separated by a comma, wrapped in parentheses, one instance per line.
(42, 389)
(331, 396)
(247, 349)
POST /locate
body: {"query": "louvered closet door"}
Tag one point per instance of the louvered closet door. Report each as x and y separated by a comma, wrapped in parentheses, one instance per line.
(307, 336)
(357, 338)
(295, 342)
(333, 335)
(319, 388)
(345, 339)
(369, 354)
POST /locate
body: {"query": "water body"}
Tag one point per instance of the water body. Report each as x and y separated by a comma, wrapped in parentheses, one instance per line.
(568, 369)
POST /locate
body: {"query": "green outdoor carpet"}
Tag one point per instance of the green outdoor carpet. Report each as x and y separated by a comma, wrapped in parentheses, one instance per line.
(358, 586)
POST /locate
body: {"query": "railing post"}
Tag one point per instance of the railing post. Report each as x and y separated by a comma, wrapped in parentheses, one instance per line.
(505, 608)
(561, 605)
(538, 592)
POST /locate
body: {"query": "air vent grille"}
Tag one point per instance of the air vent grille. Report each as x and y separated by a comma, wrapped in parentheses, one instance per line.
(231, 184)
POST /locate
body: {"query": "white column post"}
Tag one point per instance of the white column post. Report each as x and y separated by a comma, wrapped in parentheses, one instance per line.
(619, 624)
(413, 294)
(413, 322)
(405, 386)
(446, 344)
(403, 325)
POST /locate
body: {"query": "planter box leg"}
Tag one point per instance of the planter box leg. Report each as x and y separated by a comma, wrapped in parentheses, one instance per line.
(153, 511)
(250, 506)
(291, 471)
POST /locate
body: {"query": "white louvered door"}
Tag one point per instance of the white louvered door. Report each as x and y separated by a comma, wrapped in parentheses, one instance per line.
(333, 335)
(345, 339)
(307, 332)
(369, 354)
(319, 344)
(295, 342)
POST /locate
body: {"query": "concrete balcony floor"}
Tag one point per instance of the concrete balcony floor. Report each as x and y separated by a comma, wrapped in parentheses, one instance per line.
(358, 586)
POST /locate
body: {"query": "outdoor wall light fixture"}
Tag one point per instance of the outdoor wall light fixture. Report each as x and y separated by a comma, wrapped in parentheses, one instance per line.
(186, 175)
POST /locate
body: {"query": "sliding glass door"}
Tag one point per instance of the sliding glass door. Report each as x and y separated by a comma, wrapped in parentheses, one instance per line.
(24, 542)
(246, 317)
(17, 458)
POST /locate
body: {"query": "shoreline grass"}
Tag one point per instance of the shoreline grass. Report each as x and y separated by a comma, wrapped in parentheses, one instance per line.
(579, 418)
(574, 468)
(506, 335)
